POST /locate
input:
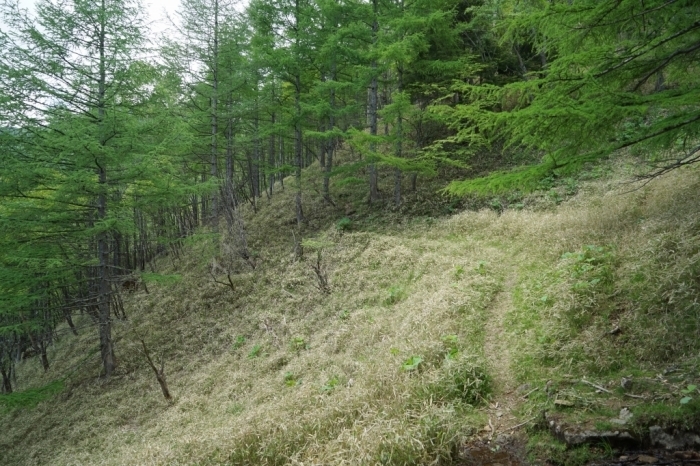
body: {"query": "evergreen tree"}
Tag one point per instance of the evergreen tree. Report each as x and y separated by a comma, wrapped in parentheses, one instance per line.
(611, 75)
(70, 80)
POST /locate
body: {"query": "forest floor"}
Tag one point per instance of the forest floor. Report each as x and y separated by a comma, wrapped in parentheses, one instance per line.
(449, 335)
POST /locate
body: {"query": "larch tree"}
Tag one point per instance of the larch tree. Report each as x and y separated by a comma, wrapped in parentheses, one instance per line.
(612, 74)
(68, 73)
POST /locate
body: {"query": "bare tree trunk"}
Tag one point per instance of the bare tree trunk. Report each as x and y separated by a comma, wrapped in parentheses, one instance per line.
(399, 140)
(331, 142)
(214, 169)
(373, 108)
(271, 154)
(104, 289)
(6, 380)
(297, 123)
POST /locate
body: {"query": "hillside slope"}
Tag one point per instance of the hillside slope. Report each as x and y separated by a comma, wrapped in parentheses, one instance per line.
(430, 327)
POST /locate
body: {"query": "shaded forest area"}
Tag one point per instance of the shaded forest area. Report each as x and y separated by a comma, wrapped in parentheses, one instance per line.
(115, 148)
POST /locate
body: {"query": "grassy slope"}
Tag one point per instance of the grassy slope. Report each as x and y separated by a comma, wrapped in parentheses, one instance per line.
(277, 372)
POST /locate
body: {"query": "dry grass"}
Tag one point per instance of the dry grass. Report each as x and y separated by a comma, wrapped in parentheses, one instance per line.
(277, 372)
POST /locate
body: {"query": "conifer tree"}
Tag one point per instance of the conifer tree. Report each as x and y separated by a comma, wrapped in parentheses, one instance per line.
(74, 100)
(611, 75)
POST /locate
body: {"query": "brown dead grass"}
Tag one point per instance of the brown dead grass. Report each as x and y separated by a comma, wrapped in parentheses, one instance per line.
(396, 291)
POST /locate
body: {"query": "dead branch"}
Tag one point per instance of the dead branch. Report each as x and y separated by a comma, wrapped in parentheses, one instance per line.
(160, 373)
(597, 386)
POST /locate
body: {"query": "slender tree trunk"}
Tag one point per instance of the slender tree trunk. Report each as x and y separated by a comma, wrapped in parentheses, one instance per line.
(104, 288)
(214, 168)
(373, 108)
(271, 157)
(297, 123)
(6, 380)
(331, 142)
(398, 175)
(255, 166)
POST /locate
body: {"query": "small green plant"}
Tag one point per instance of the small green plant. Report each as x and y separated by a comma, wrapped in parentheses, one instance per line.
(481, 267)
(344, 314)
(344, 224)
(234, 409)
(554, 195)
(687, 391)
(330, 385)
(459, 272)
(451, 346)
(299, 344)
(238, 342)
(291, 380)
(412, 363)
(255, 351)
(394, 351)
(396, 294)
(591, 267)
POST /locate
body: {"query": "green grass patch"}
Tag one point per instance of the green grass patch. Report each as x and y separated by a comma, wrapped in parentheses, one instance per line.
(31, 397)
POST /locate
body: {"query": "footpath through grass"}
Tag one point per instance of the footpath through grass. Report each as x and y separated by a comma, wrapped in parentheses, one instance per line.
(402, 360)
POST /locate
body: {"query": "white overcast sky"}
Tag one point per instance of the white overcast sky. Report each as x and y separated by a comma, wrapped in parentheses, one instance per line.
(156, 10)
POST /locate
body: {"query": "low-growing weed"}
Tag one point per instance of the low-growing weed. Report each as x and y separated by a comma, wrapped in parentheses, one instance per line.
(344, 224)
(299, 344)
(255, 351)
(330, 385)
(291, 380)
(412, 363)
(396, 294)
(238, 342)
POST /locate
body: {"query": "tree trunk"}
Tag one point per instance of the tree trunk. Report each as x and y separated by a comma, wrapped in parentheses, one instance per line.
(6, 380)
(331, 142)
(214, 169)
(373, 108)
(297, 124)
(104, 314)
(271, 154)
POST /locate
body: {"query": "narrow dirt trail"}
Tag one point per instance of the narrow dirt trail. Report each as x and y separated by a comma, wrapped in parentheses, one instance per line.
(497, 352)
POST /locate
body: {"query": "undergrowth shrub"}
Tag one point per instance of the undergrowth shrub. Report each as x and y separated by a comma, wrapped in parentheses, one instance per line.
(460, 380)
(591, 280)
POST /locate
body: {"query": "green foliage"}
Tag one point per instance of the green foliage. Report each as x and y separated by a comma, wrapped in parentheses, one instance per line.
(298, 344)
(593, 93)
(344, 224)
(687, 391)
(592, 268)
(255, 351)
(238, 342)
(411, 364)
(451, 344)
(161, 279)
(291, 380)
(330, 384)
(461, 380)
(31, 397)
(396, 294)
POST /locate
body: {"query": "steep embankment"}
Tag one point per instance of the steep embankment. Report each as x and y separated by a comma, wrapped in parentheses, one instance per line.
(433, 329)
